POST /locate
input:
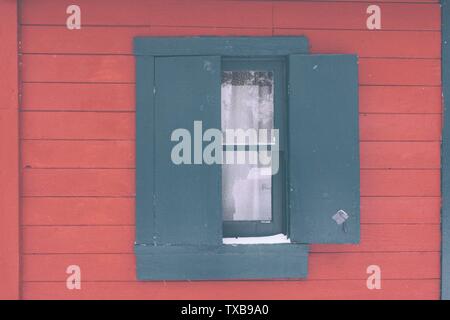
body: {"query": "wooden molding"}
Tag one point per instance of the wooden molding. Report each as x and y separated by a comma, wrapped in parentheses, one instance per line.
(9, 152)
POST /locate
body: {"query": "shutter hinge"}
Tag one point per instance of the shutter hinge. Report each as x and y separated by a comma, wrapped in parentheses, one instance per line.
(340, 217)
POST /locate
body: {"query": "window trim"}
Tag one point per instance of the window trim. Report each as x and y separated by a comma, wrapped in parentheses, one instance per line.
(220, 46)
(202, 262)
(224, 262)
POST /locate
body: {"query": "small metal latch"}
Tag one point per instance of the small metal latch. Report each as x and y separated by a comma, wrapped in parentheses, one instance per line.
(340, 217)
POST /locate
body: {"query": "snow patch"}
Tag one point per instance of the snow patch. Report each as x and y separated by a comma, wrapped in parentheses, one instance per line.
(278, 238)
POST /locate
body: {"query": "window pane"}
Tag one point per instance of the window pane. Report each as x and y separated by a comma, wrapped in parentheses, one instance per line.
(247, 100)
(247, 103)
(246, 188)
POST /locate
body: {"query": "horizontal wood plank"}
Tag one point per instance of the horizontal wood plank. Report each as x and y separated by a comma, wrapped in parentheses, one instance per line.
(400, 183)
(160, 12)
(120, 239)
(390, 237)
(78, 96)
(380, 71)
(400, 127)
(369, 44)
(398, 99)
(398, 265)
(79, 182)
(66, 154)
(412, 210)
(78, 211)
(232, 290)
(100, 40)
(82, 125)
(78, 239)
(400, 155)
(120, 69)
(78, 68)
(330, 15)
(350, 266)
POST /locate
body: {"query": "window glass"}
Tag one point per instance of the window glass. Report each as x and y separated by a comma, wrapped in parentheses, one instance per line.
(246, 189)
(247, 105)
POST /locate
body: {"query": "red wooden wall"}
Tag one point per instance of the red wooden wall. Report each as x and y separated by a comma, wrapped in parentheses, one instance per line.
(77, 144)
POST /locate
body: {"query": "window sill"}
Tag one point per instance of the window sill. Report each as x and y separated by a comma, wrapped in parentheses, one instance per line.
(222, 262)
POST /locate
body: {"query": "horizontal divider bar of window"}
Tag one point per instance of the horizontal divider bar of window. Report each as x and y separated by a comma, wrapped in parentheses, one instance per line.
(248, 147)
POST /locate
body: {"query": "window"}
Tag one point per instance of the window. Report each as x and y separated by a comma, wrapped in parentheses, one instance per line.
(305, 107)
(252, 97)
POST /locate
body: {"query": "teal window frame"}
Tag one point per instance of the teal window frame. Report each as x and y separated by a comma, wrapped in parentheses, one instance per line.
(160, 254)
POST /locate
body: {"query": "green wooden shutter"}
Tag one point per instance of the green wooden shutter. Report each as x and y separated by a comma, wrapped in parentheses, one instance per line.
(323, 160)
(145, 70)
(186, 200)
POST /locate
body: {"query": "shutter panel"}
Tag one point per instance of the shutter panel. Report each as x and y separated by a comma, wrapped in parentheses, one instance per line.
(323, 149)
(187, 197)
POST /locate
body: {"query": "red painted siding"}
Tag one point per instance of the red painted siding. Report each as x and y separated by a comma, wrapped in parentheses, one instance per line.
(77, 144)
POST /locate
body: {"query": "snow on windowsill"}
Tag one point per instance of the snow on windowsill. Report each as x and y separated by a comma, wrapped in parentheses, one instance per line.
(278, 238)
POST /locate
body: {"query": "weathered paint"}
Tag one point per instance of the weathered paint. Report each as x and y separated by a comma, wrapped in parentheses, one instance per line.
(90, 72)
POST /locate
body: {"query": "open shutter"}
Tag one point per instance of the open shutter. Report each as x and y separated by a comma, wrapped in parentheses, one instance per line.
(323, 160)
(186, 205)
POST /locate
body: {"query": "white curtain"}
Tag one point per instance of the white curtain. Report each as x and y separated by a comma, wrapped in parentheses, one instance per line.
(247, 102)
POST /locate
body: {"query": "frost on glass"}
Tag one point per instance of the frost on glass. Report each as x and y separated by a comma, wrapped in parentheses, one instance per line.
(247, 103)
